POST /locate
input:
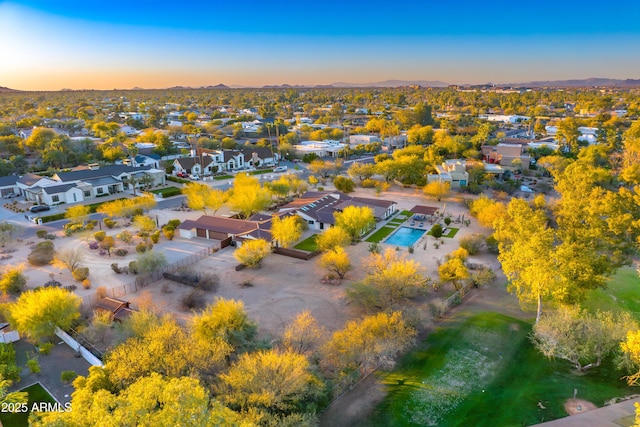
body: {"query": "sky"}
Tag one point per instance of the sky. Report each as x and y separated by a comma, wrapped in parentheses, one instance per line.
(73, 44)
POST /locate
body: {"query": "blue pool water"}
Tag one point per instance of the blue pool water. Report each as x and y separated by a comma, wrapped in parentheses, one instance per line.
(405, 236)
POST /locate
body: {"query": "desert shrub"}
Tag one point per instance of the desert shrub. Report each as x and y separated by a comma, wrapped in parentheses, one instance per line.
(109, 223)
(121, 252)
(86, 283)
(368, 183)
(472, 243)
(80, 273)
(141, 247)
(125, 236)
(344, 184)
(41, 233)
(46, 348)
(89, 226)
(33, 365)
(133, 267)
(116, 268)
(53, 284)
(93, 245)
(8, 368)
(193, 300)
(50, 237)
(447, 221)
(492, 244)
(42, 254)
(101, 292)
(71, 288)
(68, 376)
(155, 236)
(173, 223)
(169, 233)
(99, 235)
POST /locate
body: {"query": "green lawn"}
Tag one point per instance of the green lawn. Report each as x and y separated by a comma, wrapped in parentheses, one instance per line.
(308, 244)
(380, 234)
(451, 233)
(167, 192)
(221, 177)
(481, 370)
(261, 171)
(622, 293)
(21, 419)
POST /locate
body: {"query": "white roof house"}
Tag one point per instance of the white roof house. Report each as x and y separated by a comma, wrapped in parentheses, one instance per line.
(321, 148)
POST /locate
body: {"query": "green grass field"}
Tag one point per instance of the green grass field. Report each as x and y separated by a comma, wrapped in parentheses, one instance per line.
(167, 192)
(308, 244)
(481, 370)
(381, 234)
(622, 293)
(21, 419)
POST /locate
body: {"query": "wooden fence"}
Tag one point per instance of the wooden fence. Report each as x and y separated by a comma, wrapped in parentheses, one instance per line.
(143, 281)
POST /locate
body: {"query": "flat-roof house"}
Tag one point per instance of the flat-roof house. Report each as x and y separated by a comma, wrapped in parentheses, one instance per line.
(452, 171)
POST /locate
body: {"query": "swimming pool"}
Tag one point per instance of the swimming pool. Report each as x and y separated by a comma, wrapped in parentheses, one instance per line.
(405, 236)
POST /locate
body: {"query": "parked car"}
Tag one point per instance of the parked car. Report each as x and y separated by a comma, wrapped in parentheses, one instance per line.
(39, 208)
(182, 175)
(194, 177)
(9, 195)
(280, 169)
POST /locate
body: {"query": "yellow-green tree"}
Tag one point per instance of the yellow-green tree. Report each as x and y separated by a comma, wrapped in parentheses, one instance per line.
(77, 214)
(286, 230)
(631, 155)
(526, 244)
(37, 313)
(437, 189)
(144, 223)
(202, 197)
(164, 347)
(149, 401)
(366, 343)
(252, 252)
(355, 220)
(454, 271)
(247, 196)
(487, 210)
(336, 261)
(303, 335)
(391, 280)
(361, 171)
(12, 279)
(271, 381)
(227, 320)
(581, 338)
(332, 238)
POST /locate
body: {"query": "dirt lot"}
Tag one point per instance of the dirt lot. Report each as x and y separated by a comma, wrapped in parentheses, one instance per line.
(278, 291)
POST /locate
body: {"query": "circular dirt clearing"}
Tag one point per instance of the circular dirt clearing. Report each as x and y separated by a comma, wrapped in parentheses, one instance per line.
(577, 406)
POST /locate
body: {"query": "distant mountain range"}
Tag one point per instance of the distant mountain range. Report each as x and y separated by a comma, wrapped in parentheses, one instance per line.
(590, 82)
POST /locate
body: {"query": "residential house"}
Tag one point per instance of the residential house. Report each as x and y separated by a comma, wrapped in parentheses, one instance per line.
(9, 186)
(152, 160)
(87, 182)
(227, 230)
(513, 153)
(452, 171)
(198, 165)
(320, 148)
(317, 209)
(363, 139)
